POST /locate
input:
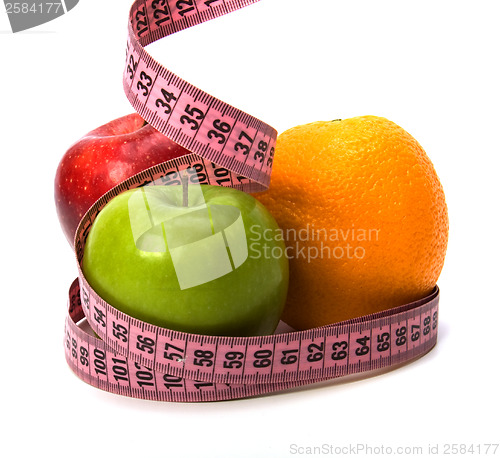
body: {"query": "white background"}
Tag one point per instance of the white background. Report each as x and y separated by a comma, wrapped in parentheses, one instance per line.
(430, 66)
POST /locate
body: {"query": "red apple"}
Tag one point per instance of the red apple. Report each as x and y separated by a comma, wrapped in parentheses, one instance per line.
(102, 159)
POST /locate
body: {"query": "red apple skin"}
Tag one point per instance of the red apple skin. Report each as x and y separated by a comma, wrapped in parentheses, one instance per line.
(102, 159)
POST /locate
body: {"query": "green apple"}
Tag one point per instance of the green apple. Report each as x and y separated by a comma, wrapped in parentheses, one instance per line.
(189, 258)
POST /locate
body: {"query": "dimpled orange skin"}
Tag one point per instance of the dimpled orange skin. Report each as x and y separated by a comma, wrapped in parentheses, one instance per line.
(368, 175)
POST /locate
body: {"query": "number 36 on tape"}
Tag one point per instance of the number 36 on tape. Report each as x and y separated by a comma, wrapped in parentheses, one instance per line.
(127, 356)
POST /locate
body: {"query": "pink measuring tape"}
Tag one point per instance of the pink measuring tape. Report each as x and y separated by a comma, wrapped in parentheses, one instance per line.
(229, 148)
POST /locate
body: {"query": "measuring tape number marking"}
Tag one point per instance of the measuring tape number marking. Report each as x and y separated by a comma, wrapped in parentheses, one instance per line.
(199, 122)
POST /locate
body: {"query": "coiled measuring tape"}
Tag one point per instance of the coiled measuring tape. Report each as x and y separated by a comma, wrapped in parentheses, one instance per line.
(229, 148)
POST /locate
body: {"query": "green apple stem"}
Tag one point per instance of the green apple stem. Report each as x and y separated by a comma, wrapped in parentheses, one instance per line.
(185, 196)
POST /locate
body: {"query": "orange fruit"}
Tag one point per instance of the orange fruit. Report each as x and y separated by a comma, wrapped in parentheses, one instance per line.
(363, 215)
